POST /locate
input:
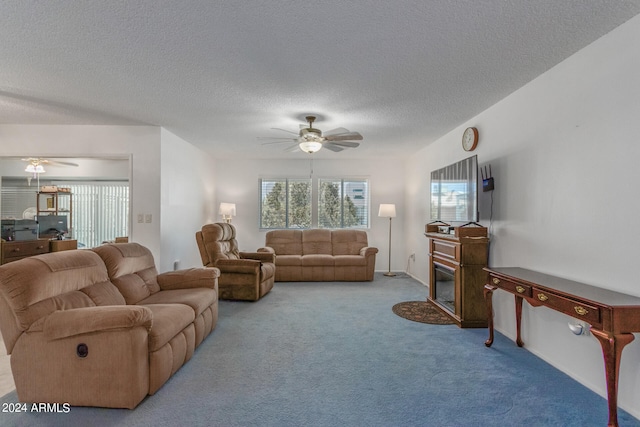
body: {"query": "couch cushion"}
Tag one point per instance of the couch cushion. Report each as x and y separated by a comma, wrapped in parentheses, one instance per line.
(348, 242)
(196, 298)
(282, 260)
(316, 241)
(168, 321)
(131, 268)
(349, 260)
(318, 260)
(284, 242)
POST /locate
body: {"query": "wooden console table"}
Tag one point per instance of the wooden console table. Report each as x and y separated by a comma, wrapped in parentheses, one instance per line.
(613, 316)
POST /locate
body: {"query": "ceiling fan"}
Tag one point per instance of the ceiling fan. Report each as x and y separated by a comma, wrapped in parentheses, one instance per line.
(311, 140)
(36, 164)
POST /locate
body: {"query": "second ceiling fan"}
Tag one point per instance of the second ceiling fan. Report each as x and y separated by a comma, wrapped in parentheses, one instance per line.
(311, 140)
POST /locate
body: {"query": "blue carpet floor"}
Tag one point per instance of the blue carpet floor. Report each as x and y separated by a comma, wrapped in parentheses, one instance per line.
(334, 354)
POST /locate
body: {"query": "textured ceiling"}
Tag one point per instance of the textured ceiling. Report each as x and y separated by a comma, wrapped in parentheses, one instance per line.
(219, 74)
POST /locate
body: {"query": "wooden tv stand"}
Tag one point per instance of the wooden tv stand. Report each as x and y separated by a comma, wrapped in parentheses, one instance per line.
(613, 316)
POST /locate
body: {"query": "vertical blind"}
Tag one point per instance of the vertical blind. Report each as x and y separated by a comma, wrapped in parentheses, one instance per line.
(100, 212)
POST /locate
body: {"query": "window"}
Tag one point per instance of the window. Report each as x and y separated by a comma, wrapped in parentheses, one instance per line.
(297, 203)
(343, 203)
(285, 203)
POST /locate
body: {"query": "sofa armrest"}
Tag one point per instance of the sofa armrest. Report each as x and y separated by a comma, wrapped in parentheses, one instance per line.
(201, 277)
(244, 266)
(368, 250)
(268, 249)
(77, 321)
(260, 256)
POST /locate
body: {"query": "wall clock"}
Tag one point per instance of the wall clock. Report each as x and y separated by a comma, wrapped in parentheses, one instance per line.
(470, 139)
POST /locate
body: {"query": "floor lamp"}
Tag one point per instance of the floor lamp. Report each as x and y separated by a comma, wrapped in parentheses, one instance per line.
(388, 210)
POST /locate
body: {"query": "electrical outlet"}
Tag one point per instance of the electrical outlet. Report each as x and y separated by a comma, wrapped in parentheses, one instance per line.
(140, 218)
(147, 218)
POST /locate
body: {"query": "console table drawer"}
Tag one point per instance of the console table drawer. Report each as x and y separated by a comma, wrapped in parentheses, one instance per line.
(574, 308)
(507, 285)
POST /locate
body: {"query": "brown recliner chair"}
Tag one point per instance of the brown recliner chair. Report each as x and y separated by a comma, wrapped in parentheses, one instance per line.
(243, 275)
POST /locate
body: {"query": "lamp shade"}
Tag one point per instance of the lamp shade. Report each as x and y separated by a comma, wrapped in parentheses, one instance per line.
(227, 209)
(387, 210)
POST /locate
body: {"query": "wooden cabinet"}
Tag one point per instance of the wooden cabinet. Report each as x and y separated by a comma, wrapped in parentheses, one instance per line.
(456, 276)
(13, 251)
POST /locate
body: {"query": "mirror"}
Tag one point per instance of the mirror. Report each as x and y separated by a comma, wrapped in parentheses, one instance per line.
(86, 198)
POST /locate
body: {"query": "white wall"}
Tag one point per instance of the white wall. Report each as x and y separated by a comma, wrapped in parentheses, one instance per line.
(187, 201)
(564, 155)
(237, 182)
(140, 143)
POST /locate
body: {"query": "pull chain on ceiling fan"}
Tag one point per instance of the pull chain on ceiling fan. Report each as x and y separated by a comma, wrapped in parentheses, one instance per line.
(310, 140)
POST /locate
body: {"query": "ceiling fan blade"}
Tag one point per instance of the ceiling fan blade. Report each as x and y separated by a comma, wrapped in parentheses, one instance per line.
(345, 144)
(292, 148)
(332, 147)
(336, 131)
(276, 138)
(344, 137)
(37, 160)
(277, 142)
(57, 163)
(285, 130)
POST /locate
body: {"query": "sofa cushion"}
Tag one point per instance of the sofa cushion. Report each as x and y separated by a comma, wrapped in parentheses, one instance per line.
(316, 241)
(168, 321)
(131, 268)
(196, 298)
(349, 260)
(284, 242)
(348, 242)
(295, 260)
(318, 260)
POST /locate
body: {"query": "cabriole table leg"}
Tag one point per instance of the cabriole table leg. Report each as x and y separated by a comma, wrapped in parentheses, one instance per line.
(488, 297)
(612, 345)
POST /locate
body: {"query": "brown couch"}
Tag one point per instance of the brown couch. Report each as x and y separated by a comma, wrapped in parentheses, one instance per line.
(243, 275)
(101, 327)
(321, 255)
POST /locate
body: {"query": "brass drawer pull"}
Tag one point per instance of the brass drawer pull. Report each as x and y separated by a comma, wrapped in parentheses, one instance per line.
(580, 310)
(496, 280)
(542, 297)
(520, 289)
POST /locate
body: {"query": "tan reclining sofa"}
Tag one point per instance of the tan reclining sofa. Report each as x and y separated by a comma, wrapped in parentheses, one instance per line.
(101, 327)
(321, 255)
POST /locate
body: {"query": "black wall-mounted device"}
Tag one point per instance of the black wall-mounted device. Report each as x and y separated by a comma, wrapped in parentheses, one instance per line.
(487, 179)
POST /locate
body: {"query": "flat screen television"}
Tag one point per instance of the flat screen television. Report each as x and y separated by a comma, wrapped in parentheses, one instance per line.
(454, 192)
(50, 226)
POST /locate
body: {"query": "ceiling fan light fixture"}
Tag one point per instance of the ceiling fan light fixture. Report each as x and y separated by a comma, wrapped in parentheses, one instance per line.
(34, 169)
(310, 146)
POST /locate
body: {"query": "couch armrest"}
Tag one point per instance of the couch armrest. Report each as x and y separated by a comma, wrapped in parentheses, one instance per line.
(268, 249)
(200, 277)
(77, 321)
(368, 250)
(260, 256)
(245, 266)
